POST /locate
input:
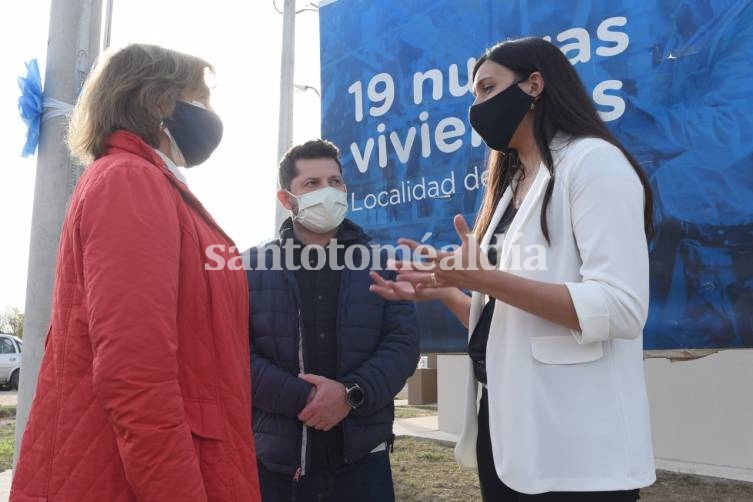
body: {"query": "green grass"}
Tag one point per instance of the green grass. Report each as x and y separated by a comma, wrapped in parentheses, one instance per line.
(7, 412)
(426, 471)
(414, 411)
(7, 442)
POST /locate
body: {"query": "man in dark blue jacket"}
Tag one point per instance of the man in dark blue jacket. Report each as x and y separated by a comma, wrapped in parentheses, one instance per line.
(328, 356)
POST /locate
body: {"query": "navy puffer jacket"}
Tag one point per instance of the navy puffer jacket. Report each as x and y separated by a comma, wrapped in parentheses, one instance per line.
(378, 348)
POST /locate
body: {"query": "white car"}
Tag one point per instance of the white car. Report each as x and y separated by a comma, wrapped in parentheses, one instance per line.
(10, 360)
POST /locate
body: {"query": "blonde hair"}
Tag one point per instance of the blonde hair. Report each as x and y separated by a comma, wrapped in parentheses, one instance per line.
(131, 89)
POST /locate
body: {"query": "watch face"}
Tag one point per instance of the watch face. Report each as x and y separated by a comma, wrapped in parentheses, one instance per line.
(354, 395)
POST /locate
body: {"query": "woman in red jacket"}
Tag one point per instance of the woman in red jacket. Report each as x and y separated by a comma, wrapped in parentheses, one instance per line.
(144, 388)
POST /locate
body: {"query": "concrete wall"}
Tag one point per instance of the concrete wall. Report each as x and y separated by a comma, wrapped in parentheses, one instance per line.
(701, 411)
(450, 388)
(702, 414)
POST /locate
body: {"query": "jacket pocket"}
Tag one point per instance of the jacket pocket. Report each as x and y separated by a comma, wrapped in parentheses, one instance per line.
(564, 350)
(205, 421)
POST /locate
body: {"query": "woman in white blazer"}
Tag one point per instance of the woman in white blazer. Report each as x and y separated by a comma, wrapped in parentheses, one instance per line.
(556, 404)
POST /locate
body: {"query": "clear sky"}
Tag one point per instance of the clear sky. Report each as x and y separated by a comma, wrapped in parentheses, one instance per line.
(242, 39)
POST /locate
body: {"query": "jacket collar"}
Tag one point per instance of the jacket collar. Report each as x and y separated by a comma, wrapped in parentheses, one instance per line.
(129, 142)
(171, 166)
(348, 232)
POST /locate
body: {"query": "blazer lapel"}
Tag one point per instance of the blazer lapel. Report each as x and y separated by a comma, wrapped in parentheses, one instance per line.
(529, 207)
(498, 212)
(477, 299)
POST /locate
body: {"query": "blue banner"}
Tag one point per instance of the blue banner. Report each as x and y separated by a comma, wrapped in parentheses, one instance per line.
(672, 80)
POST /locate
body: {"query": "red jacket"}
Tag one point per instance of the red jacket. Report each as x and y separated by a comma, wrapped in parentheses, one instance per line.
(144, 389)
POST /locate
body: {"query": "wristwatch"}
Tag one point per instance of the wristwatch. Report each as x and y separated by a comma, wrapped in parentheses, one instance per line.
(354, 395)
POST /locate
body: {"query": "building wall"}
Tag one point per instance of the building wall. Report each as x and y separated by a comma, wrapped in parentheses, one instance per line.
(702, 414)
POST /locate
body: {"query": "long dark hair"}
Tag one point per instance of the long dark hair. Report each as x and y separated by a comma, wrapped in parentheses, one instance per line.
(564, 106)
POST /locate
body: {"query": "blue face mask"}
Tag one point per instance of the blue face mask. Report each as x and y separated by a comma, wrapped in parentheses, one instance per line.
(196, 130)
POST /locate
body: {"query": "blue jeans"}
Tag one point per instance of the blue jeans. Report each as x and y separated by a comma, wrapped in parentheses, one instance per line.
(368, 480)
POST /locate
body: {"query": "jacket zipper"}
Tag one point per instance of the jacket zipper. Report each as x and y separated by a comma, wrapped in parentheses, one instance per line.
(304, 429)
(301, 470)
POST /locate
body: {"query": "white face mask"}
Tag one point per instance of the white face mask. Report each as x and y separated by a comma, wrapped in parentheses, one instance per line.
(322, 210)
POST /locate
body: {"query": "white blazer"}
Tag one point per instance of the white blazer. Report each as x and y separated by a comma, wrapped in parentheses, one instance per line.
(568, 409)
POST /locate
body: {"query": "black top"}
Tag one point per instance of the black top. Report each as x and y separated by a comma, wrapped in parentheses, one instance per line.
(480, 336)
(320, 291)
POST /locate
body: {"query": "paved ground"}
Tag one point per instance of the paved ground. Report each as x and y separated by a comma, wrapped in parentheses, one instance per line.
(5, 478)
(8, 397)
(426, 427)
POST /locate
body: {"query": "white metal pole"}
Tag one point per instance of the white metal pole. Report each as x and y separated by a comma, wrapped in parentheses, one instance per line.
(287, 69)
(107, 30)
(73, 44)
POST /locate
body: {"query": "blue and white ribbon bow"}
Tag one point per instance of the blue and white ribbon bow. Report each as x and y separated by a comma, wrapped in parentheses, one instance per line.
(34, 107)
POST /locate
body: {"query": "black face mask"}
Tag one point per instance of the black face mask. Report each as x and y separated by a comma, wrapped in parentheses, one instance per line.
(196, 131)
(496, 119)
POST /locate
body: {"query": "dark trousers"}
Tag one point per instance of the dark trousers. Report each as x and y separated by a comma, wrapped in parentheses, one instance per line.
(368, 480)
(494, 490)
